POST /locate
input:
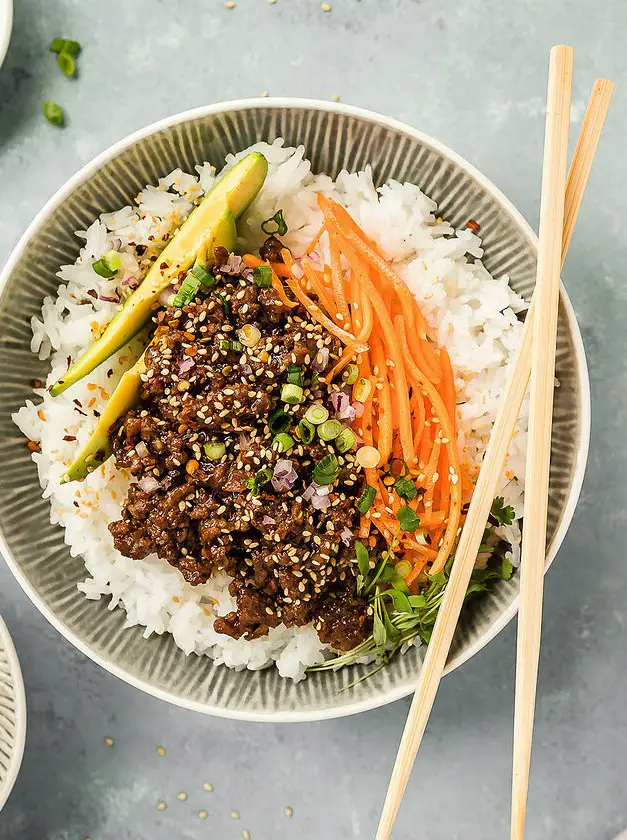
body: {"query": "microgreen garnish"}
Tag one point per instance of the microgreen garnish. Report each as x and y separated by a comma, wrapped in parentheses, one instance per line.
(501, 513)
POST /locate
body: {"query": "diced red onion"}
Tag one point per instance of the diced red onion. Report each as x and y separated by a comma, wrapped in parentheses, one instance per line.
(340, 401)
(347, 536)
(232, 266)
(186, 365)
(284, 475)
(114, 298)
(268, 520)
(116, 243)
(142, 449)
(321, 502)
(149, 484)
(247, 273)
(310, 492)
(321, 360)
(131, 281)
(246, 369)
(245, 441)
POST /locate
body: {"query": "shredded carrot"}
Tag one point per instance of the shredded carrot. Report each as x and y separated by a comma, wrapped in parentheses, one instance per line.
(318, 288)
(338, 284)
(384, 417)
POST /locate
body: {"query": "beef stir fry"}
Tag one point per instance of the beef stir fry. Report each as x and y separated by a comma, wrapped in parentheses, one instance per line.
(231, 474)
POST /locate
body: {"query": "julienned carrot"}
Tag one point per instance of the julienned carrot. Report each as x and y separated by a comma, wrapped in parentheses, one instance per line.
(391, 340)
(418, 414)
(419, 378)
(318, 288)
(316, 312)
(385, 403)
(348, 354)
(314, 241)
(448, 386)
(337, 282)
(366, 314)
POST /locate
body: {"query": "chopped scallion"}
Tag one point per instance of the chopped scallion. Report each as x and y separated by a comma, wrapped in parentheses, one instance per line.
(66, 63)
(275, 225)
(53, 113)
(108, 265)
(317, 414)
(292, 394)
(307, 431)
(366, 500)
(294, 375)
(405, 488)
(350, 374)
(282, 442)
(214, 450)
(65, 45)
(326, 470)
(329, 430)
(362, 389)
(206, 279)
(345, 441)
(403, 568)
(187, 292)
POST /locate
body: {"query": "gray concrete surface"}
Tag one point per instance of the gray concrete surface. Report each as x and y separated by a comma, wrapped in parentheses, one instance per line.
(473, 74)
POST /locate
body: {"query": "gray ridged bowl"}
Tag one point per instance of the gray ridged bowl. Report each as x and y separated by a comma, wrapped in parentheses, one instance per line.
(335, 136)
(12, 714)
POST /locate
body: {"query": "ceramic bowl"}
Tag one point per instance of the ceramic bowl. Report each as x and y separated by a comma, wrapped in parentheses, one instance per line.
(6, 26)
(12, 714)
(335, 136)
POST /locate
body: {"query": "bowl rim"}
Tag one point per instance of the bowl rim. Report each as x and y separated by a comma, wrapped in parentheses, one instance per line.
(6, 18)
(395, 693)
(6, 642)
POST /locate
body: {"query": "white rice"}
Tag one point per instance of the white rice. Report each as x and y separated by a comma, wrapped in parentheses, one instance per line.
(473, 313)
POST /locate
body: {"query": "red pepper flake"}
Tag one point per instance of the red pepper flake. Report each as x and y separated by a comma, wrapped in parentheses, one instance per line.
(69, 361)
(75, 503)
(33, 446)
(109, 373)
(96, 413)
(163, 266)
(78, 403)
(473, 226)
(37, 383)
(69, 437)
(92, 293)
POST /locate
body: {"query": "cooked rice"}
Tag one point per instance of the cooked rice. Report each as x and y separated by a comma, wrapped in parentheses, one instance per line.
(473, 313)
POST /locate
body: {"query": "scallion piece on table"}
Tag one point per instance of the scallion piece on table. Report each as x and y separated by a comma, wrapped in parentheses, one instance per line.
(362, 389)
(329, 430)
(282, 442)
(108, 265)
(345, 441)
(53, 113)
(350, 374)
(187, 292)
(307, 431)
(316, 414)
(66, 63)
(291, 394)
(214, 450)
(65, 45)
(326, 470)
(366, 500)
(262, 275)
(206, 279)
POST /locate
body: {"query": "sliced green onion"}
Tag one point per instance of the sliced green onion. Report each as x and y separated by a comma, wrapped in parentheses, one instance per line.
(263, 476)
(317, 414)
(206, 279)
(292, 394)
(280, 226)
(108, 265)
(329, 430)
(66, 63)
(366, 500)
(345, 441)
(315, 381)
(295, 375)
(362, 389)
(187, 292)
(350, 374)
(214, 450)
(326, 470)
(408, 519)
(53, 113)
(237, 346)
(251, 485)
(405, 488)
(278, 421)
(282, 442)
(262, 275)
(403, 568)
(307, 431)
(65, 45)
(226, 305)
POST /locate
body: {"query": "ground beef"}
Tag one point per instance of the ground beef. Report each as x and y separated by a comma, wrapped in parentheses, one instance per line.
(289, 562)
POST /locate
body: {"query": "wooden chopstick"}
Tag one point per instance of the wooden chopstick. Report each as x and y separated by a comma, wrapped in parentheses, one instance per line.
(466, 554)
(537, 470)
(538, 459)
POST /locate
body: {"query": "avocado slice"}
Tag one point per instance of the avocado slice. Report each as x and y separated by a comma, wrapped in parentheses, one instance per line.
(98, 447)
(210, 225)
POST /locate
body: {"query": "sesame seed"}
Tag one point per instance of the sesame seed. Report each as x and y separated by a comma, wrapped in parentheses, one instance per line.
(208, 787)
(182, 796)
(203, 815)
(229, 4)
(109, 741)
(161, 806)
(161, 751)
(235, 815)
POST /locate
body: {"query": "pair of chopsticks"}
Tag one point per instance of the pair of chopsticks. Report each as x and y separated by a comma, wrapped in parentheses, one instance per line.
(561, 200)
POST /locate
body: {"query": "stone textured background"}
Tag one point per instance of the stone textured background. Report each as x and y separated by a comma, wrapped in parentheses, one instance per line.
(472, 74)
